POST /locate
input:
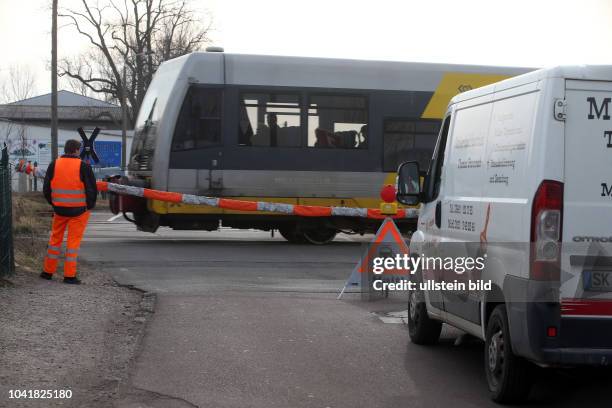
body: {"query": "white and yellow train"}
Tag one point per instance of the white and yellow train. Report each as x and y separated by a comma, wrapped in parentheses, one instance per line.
(294, 130)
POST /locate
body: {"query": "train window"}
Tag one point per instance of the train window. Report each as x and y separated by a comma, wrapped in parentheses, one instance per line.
(406, 139)
(338, 121)
(271, 120)
(199, 122)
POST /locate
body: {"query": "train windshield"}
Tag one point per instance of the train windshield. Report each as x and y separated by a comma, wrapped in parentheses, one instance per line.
(149, 115)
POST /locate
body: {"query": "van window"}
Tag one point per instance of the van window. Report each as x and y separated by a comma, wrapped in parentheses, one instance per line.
(271, 120)
(468, 150)
(199, 122)
(338, 121)
(408, 140)
(434, 174)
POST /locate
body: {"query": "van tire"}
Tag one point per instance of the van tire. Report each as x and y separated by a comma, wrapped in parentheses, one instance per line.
(508, 376)
(421, 328)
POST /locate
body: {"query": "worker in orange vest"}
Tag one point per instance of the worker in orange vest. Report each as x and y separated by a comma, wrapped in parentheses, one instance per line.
(70, 187)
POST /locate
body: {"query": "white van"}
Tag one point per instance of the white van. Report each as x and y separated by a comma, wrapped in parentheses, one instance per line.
(522, 176)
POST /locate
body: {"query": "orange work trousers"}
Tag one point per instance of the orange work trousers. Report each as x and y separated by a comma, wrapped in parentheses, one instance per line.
(76, 228)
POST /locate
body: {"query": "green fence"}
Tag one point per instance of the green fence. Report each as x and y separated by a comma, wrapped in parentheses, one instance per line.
(7, 255)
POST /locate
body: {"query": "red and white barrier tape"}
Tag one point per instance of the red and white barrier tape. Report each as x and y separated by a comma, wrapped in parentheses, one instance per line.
(241, 205)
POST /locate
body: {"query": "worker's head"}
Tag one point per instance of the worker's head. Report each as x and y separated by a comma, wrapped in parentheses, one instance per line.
(72, 147)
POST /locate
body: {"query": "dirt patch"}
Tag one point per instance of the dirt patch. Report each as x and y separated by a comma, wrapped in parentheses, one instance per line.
(68, 337)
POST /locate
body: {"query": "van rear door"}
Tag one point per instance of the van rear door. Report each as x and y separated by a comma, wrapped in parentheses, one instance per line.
(586, 263)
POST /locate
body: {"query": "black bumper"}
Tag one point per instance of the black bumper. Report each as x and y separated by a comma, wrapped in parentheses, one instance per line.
(577, 356)
(578, 341)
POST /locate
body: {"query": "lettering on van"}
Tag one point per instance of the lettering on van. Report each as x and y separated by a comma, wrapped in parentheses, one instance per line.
(587, 238)
(461, 217)
(469, 164)
(461, 225)
(602, 111)
(465, 209)
(501, 163)
(595, 110)
(512, 147)
(508, 131)
(468, 142)
(499, 179)
(608, 135)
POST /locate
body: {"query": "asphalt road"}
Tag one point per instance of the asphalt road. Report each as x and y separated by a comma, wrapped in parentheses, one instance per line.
(244, 319)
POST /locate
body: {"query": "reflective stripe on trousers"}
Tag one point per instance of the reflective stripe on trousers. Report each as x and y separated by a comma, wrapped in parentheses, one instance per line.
(53, 252)
(71, 255)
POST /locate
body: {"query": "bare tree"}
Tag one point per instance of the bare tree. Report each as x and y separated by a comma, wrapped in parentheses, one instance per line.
(14, 134)
(132, 37)
(10, 129)
(19, 84)
(79, 87)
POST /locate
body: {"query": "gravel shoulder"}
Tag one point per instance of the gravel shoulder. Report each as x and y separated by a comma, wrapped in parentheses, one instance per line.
(68, 337)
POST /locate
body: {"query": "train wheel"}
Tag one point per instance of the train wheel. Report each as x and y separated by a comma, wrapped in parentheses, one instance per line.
(292, 235)
(319, 236)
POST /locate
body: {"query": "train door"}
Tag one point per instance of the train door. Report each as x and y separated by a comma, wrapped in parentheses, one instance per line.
(197, 143)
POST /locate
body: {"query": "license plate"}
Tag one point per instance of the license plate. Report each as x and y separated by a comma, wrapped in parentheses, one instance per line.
(598, 280)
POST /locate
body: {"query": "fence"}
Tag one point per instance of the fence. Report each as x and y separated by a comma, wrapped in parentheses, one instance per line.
(7, 256)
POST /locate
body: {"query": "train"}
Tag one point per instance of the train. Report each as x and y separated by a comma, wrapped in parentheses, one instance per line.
(296, 130)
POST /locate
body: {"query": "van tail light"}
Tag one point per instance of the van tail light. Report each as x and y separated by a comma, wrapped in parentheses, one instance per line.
(546, 223)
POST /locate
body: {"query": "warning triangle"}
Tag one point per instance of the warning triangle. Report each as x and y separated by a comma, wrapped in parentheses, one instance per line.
(387, 242)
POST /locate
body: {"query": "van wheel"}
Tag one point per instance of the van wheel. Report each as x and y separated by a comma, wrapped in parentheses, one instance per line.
(319, 236)
(292, 235)
(508, 375)
(421, 328)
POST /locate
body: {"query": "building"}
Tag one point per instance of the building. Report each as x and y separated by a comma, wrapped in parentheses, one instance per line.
(25, 127)
(73, 111)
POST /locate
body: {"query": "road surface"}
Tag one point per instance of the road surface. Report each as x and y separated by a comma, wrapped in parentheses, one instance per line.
(244, 319)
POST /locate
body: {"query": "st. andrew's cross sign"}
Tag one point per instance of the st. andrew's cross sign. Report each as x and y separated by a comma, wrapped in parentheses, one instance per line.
(88, 145)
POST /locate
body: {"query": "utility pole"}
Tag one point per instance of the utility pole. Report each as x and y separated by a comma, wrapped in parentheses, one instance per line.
(123, 120)
(54, 146)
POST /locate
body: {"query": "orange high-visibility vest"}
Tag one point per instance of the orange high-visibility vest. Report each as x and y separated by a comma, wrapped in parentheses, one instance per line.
(67, 189)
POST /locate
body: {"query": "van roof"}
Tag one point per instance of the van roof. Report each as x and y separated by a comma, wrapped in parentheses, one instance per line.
(586, 72)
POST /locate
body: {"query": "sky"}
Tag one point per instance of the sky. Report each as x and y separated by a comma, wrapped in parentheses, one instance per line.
(529, 33)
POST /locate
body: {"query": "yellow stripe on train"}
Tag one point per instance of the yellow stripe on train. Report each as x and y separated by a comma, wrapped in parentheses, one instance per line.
(453, 83)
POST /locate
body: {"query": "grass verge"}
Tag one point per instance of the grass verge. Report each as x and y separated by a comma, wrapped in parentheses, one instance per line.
(32, 217)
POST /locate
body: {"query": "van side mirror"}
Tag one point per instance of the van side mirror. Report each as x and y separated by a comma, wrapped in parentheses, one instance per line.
(408, 183)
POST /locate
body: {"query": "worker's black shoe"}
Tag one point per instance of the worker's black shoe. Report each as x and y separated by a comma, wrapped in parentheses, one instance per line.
(72, 281)
(46, 275)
